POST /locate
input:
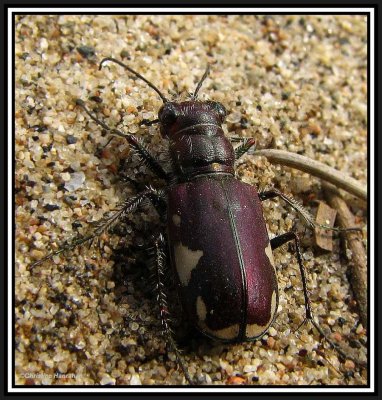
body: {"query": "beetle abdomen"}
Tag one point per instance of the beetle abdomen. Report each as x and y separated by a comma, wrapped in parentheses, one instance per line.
(221, 254)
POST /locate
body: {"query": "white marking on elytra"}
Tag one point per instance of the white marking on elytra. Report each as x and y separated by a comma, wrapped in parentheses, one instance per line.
(201, 309)
(268, 252)
(176, 220)
(229, 333)
(255, 330)
(185, 261)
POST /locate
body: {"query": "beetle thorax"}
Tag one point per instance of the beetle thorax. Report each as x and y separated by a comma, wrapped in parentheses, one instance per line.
(197, 142)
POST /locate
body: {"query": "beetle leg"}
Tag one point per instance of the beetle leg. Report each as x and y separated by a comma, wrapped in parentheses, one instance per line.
(247, 143)
(99, 151)
(279, 241)
(105, 223)
(306, 215)
(158, 200)
(160, 250)
(146, 122)
(135, 143)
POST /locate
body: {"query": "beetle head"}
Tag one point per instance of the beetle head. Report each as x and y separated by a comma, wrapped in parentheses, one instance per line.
(191, 117)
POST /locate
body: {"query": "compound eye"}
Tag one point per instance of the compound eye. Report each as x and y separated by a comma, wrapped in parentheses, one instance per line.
(168, 114)
(222, 112)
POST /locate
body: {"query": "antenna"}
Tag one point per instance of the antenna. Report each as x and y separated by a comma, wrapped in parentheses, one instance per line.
(195, 95)
(135, 73)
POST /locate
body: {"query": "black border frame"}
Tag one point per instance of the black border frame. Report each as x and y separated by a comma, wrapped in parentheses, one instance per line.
(172, 3)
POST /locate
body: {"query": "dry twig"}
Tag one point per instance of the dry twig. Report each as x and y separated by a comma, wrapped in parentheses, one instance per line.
(358, 264)
(325, 216)
(315, 168)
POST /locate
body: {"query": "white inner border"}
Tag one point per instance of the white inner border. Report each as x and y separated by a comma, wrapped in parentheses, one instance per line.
(256, 389)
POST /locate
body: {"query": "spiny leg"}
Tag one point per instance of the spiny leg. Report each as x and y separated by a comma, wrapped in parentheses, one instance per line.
(135, 143)
(104, 224)
(146, 122)
(247, 143)
(159, 201)
(309, 219)
(160, 253)
(279, 241)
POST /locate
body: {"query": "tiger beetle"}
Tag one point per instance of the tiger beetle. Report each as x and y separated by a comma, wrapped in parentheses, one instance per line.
(216, 238)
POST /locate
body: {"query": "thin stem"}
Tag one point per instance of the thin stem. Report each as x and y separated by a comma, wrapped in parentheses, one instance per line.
(315, 168)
